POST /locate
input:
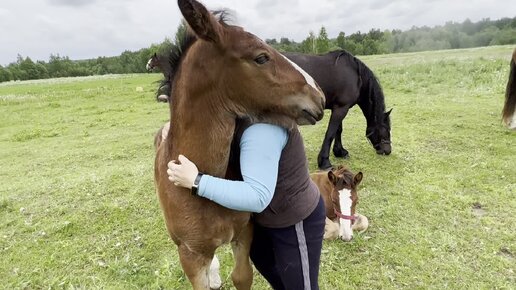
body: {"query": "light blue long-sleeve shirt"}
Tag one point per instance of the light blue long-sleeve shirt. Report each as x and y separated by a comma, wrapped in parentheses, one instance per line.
(260, 151)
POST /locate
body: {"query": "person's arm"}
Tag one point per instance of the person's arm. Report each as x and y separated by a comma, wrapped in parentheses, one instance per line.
(260, 152)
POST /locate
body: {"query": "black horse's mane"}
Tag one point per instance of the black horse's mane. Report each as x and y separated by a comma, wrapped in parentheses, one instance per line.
(370, 85)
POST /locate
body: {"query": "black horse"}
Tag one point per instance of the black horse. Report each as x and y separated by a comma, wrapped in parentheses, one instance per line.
(345, 81)
(162, 64)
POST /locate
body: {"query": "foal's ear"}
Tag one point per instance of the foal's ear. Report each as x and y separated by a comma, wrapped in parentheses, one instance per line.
(201, 21)
(358, 178)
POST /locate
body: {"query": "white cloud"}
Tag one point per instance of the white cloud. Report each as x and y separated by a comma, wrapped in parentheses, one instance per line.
(72, 3)
(90, 28)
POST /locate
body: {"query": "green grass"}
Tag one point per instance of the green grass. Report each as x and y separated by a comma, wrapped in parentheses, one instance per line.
(78, 207)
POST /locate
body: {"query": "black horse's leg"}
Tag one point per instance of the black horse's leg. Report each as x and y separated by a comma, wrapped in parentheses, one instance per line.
(338, 149)
(323, 160)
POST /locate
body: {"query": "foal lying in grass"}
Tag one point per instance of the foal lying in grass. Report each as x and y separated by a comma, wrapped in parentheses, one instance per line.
(338, 188)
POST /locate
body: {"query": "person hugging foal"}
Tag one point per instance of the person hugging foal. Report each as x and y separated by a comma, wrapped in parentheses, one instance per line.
(288, 211)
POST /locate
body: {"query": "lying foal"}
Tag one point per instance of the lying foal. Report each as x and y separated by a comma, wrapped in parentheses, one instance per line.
(338, 188)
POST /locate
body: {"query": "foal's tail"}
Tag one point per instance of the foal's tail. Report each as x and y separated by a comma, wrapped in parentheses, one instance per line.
(510, 94)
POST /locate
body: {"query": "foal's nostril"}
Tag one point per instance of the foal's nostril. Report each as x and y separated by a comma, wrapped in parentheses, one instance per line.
(347, 239)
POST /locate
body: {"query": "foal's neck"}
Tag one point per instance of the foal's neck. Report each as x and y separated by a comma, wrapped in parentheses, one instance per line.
(202, 131)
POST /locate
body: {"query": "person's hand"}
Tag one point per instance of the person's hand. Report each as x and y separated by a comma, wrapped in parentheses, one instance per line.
(182, 173)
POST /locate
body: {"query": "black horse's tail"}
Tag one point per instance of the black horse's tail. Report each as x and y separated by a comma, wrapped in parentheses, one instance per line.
(510, 93)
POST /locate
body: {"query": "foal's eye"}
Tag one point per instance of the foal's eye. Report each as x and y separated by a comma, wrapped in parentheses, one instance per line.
(262, 59)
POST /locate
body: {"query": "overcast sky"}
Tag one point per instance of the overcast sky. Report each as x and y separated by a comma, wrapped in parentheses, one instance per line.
(90, 28)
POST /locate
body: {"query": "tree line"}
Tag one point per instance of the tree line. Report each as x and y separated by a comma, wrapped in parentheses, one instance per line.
(452, 35)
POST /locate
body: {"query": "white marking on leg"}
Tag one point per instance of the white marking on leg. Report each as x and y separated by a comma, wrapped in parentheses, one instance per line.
(346, 232)
(307, 77)
(215, 281)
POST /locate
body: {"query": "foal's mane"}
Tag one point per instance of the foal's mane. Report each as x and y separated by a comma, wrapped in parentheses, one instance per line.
(176, 53)
(178, 50)
(345, 174)
(369, 86)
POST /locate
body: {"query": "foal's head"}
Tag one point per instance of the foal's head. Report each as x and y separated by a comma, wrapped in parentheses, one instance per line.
(379, 134)
(233, 69)
(345, 198)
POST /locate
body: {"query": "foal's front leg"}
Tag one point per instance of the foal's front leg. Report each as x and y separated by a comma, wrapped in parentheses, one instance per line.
(242, 274)
(196, 267)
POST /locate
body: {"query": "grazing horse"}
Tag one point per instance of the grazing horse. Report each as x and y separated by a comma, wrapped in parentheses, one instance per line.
(220, 73)
(162, 64)
(338, 188)
(509, 108)
(154, 62)
(347, 81)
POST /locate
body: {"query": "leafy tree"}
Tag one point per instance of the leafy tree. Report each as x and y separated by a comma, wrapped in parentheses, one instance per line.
(506, 36)
(5, 74)
(181, 32)
(341, 40)
(285, 41)
(322, 42)
(271, 41)
(29, 67)
(309, 44)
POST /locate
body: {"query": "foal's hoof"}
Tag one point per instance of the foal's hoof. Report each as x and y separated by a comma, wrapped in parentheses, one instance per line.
(361, 223)
(214, 275)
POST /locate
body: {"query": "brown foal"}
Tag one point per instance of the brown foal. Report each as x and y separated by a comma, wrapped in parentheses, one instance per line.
(222, 73)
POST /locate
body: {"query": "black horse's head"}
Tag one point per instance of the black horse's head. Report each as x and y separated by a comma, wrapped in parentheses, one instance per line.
(379, 134)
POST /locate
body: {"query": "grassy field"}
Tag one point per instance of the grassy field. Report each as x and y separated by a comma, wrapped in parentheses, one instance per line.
(78, 207)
